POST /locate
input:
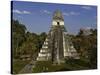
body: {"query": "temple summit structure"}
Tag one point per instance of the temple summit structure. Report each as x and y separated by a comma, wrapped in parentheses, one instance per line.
(57, 46)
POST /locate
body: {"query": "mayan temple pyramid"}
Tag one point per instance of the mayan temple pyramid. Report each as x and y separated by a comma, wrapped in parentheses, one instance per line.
(57, 46)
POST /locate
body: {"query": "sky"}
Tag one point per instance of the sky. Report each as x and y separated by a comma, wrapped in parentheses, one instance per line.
(37, 17)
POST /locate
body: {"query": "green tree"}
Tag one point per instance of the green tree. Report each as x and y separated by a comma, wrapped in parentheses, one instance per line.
(18, 36)
(86, 45)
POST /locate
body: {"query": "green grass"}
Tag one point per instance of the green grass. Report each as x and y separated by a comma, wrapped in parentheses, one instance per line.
(77, 64)
(18, 65)
(47, 66)
(69, 65)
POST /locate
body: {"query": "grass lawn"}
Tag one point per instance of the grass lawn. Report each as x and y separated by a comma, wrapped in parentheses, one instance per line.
(45, 66)
(18, 65)
(70, 65)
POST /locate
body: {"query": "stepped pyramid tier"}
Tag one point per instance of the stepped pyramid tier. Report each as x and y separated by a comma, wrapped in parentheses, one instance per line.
(44, 53)
(57, 46)
(69, 50)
